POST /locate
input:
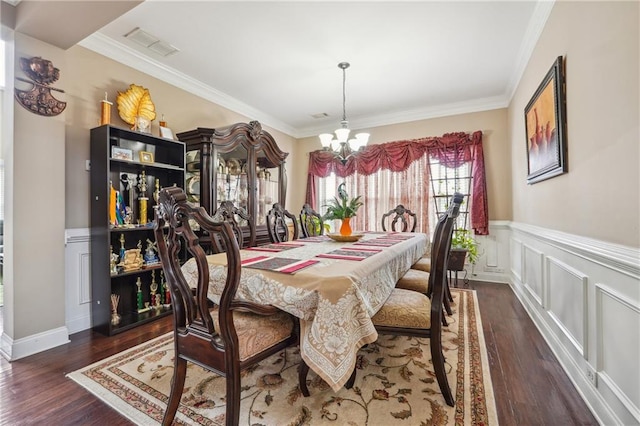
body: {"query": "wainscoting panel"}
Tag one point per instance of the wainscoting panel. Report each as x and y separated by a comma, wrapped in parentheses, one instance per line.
(567, 286)
(533, 276)
(78, 279)
(516, 258)
(493, 255)
(617, 328)
(584, 297)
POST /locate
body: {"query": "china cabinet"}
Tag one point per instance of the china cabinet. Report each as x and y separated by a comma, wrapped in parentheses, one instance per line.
(128, 168)
(241, 163)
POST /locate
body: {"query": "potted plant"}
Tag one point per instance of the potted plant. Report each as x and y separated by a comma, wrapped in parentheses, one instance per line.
(343, 208)
(462, 245)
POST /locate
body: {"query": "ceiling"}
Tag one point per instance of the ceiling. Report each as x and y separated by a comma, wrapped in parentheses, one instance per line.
(277, 61)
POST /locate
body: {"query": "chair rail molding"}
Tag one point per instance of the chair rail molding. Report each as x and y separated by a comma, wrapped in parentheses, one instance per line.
(622, 258)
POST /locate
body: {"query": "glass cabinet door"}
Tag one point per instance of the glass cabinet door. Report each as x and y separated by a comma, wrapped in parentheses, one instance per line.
(232, 177)
(193, 175)
(268, 187)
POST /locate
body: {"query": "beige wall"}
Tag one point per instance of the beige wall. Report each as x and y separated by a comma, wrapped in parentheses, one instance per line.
(599, 197)
(89, 76)
(36, 258)
(493, 125)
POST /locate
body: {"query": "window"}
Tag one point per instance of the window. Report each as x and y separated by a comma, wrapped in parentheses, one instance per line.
(381, 192)
(410, 183)
(445, 181)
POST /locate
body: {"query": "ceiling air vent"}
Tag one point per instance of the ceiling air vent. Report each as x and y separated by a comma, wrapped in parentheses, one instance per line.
(151, 42)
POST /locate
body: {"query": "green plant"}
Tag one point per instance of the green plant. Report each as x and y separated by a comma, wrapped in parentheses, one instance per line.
(462, 239)
(341, 207)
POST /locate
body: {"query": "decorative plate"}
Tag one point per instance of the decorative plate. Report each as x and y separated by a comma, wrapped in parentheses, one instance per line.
(345, 238)
(234, 166)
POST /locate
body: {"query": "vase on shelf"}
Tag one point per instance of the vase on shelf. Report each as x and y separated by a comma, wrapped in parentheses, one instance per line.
(345, 228)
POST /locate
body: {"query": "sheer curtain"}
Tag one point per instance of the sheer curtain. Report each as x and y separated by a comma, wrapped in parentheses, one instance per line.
(385, 189)
(397, 158)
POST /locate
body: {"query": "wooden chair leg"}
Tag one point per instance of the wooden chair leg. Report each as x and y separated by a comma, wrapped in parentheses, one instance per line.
(177, 385)
(448, 294)
(233, 397)
(437, 357)
(447, 303)
(303, 370)
(352, 379)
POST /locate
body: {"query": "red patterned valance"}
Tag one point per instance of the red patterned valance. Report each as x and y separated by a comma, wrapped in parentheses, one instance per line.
(451, 149)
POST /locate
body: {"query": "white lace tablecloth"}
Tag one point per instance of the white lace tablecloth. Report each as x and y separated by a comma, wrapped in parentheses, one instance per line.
(334, 299)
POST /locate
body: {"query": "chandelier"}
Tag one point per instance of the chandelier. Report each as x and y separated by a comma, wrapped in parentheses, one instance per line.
(342, 146)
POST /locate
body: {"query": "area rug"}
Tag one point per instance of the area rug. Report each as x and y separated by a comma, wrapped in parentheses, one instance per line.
(395, 383)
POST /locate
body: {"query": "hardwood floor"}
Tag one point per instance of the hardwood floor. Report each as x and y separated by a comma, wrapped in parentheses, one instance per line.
(530, 386)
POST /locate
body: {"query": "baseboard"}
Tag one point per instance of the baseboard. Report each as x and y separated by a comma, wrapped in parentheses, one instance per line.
(15, 349)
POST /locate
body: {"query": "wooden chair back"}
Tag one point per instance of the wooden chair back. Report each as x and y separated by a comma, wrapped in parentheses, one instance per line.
(311, 222)
(277, 224)
(203, 335)
(399, 219)
(228, 212)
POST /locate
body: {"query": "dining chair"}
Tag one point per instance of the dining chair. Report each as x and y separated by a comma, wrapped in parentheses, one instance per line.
(410, 313)
(401, 219)
(228, 212)
(277, 224)
(229, 337)
(311, 222)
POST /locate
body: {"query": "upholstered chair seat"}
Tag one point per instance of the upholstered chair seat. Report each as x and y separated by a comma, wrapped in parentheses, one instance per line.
(414, 280)
(257, 333)
(424, 264)
(406, 309)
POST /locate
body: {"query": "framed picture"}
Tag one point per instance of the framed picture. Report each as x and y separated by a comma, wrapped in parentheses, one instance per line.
(545, 126)
(121, 153)
(146, 157)
(166, 133)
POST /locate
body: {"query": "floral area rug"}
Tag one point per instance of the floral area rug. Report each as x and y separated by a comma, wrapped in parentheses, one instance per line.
(395, 383)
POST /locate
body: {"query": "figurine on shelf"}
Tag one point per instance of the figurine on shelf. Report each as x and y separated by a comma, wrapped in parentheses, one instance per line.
(155, 298)
(122, 249)
(113, 261)
(142, 187)
(139, 304)
(142, 306)
(132, 260)
(156, 193)
(165, 290)
(150, 256)
(115, 317)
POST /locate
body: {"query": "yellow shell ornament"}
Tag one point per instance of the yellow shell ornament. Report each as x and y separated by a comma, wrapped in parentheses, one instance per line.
(135, 102)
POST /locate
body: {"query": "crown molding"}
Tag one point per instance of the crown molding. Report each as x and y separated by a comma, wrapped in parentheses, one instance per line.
(534, 30)
(397, 117)
(122, 53)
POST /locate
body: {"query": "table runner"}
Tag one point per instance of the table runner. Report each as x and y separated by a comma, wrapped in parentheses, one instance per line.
(334, 299)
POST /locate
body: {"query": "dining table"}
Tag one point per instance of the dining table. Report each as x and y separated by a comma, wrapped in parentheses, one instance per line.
(333, 287)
